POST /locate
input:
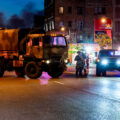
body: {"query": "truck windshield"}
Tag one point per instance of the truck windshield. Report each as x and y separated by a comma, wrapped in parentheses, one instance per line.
(57, 41)
(109, 53)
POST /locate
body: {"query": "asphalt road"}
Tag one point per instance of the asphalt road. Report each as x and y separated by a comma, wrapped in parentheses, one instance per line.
(66, 98)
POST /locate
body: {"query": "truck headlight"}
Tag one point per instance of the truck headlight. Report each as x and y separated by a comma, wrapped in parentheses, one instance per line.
(66, 61)
(48, 61)
(104, 62)
(118, 62)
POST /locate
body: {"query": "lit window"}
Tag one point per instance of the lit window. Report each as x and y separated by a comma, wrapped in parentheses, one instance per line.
(46, 27)
(81, 37)
(61, 24)
(50, 26)
(61, 10)
(99, 10)
(52, 22)
(58, 41)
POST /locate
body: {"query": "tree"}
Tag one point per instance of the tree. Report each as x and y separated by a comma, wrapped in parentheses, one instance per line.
(103, 40)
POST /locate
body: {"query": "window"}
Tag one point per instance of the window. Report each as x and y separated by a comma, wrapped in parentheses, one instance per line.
(117, 26)
(80, 25)
(69, 9)
(79, 10)
(81, 37)
(69, 23)
(58, 41)
(50, 26)
(53, 27)
(117, 12)
(46, 27)
(61, 24)
(100, 10)
(35, 42)
(61, 10)
(103, 10)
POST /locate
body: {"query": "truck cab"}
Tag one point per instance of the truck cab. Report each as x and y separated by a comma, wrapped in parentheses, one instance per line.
(49, 51)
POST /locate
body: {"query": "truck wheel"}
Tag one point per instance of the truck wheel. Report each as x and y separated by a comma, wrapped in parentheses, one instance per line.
(32, 70)
(20, 72)
(55, 71)
(55, 74)
(1, 68)
(98, 72)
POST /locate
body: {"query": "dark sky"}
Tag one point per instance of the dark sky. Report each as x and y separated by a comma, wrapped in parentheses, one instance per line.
(10, 7)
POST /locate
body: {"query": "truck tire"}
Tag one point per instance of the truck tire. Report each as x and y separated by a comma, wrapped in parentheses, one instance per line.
(20, 72)
(98, 71)
(32, 70)
(55, 74)
(55, 71)
(1, 68)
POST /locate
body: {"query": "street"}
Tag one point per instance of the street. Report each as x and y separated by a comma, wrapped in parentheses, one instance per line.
(66, 98)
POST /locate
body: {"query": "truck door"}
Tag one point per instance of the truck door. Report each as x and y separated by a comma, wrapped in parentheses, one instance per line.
(37, 47)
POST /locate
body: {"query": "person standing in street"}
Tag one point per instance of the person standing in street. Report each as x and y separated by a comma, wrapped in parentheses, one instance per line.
(79, 64)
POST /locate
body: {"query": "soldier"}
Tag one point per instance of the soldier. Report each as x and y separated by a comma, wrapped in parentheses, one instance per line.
(79, 64)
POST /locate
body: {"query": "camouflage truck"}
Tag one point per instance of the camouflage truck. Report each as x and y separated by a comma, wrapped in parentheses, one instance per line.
(30, 52)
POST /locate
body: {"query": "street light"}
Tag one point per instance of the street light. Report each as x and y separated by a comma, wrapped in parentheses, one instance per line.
(62, 29)
(103, 20)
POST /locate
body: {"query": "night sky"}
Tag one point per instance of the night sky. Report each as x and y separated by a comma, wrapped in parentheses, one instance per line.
(10, 7)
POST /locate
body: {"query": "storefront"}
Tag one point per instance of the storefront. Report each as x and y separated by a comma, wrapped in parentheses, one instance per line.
(89, 49)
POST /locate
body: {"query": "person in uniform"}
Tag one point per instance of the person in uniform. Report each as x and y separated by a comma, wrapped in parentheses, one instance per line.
(79, 64)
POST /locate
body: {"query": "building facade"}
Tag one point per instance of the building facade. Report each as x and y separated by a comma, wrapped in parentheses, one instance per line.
(116, 23)
(77, 17)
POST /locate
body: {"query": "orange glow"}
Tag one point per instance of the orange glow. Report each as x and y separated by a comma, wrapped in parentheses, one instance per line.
(62, 29)
(36, 35)
(98, 60)
(103, 20)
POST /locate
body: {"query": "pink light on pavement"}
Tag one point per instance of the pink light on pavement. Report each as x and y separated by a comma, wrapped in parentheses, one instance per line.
(44, 79)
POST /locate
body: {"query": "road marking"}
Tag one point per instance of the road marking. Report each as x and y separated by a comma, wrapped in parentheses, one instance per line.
(59, 82)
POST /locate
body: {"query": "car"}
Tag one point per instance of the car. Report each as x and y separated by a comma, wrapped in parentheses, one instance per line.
(108, 59)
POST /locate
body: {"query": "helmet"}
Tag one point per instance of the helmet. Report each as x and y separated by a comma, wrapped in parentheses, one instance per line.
(78, 52)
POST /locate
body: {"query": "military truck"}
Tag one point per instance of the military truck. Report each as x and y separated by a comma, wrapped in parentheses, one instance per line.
(32, 51)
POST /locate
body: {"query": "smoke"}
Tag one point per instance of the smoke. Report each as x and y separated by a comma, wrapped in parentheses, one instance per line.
(24, 20)
(27, 14)
(2, 20)
(15, 22)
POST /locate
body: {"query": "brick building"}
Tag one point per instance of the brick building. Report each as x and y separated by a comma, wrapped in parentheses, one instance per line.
(116, 23)
(77, 16)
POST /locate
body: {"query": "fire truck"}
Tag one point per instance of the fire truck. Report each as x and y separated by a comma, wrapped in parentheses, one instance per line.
(31, 51)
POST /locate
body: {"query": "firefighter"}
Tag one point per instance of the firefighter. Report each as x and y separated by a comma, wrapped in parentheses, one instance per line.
(80, 63)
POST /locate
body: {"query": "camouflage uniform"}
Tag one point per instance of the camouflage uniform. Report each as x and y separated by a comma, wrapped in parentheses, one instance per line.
(79, 65)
